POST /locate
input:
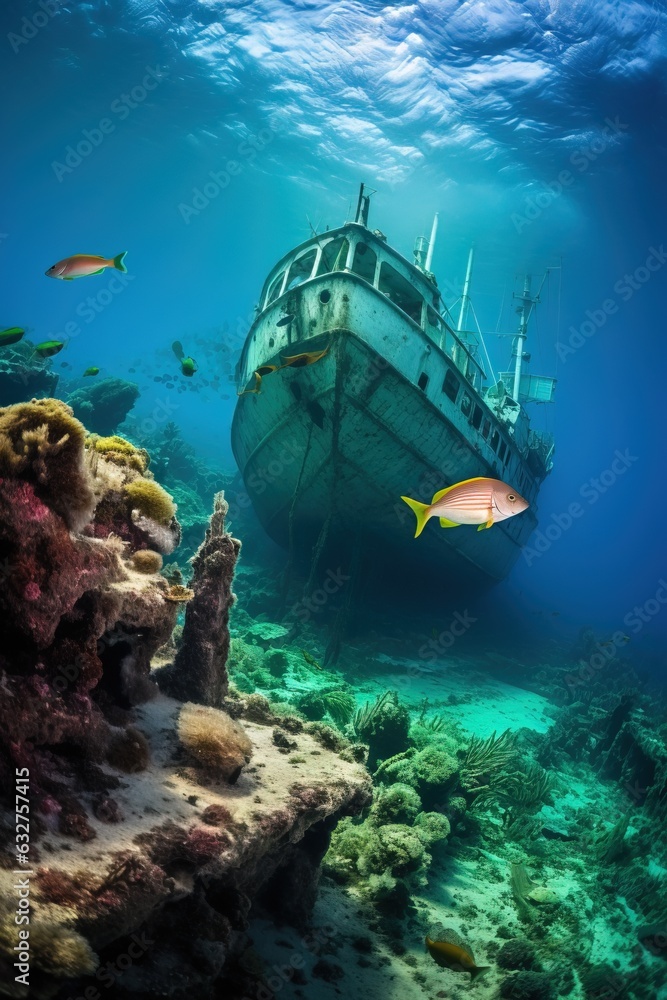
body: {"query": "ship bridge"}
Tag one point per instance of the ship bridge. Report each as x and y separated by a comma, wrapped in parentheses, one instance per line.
(358, 251)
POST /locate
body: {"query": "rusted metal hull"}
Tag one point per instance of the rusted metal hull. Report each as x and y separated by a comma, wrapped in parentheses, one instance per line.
(334, 445)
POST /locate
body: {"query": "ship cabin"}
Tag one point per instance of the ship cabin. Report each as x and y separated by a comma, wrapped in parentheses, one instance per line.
(498, 423)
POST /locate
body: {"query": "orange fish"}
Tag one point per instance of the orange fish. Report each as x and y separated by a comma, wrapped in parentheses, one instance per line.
(454, 955)
(478, 501)
(301, 360)
(80, 265)
(256, 388)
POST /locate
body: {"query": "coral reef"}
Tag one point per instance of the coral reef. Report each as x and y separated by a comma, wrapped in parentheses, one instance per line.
(104, 405)
(78, 626)
(384, 726)
(41, 445)
(24, 375)
(199, 670)
(110, 757)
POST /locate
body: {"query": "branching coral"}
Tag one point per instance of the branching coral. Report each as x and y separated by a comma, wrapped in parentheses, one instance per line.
(485, 756)
(383, 725)
(214, 740)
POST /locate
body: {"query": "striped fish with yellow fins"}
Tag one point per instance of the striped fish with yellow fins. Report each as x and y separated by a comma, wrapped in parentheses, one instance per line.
(480, 501)
(449, 951)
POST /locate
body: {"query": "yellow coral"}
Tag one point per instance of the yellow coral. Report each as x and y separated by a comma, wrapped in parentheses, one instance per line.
(151, 500)
(118, 450)
(56, 950)
(214, 740)
(43, 443)
(179, 594)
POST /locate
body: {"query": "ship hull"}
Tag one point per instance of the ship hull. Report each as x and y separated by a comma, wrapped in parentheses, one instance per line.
(327, 451)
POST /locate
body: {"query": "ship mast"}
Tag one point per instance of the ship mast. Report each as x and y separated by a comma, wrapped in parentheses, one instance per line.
(524, 311)
(363, 205)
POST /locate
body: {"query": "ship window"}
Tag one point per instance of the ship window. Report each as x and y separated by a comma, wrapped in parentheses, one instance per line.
(486, 427)
(364, 262)
(400, 291)
(466, 404)
(451, 385)
(423, 380)
(433, 318)
(274, 288)
(502, 450)
(495, 438)
(300, 269)
(477, 417)
(334, 256)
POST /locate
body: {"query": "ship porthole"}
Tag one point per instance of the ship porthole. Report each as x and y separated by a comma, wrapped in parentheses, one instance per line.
(271, 341)
(325, 296)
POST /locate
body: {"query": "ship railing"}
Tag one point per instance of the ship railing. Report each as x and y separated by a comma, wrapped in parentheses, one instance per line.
(439, 331)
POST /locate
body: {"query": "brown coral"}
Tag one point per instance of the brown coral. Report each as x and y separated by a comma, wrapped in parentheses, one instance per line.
(199, 672)
(147, 561)
(214, 740)
(41, 442)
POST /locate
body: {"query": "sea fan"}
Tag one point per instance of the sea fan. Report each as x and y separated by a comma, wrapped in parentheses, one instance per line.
(339, 705)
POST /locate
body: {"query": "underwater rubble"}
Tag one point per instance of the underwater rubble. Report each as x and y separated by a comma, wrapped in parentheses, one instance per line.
(156, 824)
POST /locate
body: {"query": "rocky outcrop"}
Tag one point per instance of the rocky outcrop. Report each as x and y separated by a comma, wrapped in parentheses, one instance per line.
(149, 843)
(199, 671)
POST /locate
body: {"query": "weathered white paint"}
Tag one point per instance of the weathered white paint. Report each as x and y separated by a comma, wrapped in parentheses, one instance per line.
(381, 435)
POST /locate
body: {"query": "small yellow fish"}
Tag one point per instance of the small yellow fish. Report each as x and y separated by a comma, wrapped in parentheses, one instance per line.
(301, 360)
(256, 388)
(91, 371)
(310, 659)
(81, 265)
(478, 501)
(454, 955)
(188, 367)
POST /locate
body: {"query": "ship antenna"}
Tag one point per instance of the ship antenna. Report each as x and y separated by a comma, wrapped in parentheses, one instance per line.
(363, 205)
(431, 245)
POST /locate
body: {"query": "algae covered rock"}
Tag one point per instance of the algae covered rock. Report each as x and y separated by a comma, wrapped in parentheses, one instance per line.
(395, 804)
(105, 404)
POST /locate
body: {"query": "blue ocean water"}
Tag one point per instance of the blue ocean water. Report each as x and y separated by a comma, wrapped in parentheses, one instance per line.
(206, 139)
